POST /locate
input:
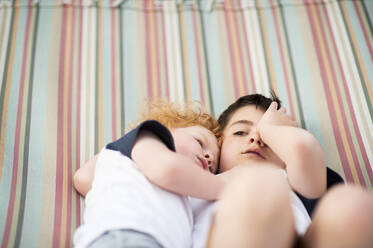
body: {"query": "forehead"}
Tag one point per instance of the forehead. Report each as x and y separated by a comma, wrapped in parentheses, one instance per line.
(202, 131)
(246, 113)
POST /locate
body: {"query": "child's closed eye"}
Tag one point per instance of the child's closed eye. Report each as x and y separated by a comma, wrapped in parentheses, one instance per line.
(199, 141)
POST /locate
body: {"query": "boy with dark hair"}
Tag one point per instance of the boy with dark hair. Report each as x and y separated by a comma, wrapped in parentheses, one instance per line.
(261, 102)
(268, 157)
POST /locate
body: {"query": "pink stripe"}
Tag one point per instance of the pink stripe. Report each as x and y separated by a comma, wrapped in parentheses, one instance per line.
(333, 117)
(77, 159)
(165, 55)
(113, 88)
(292, 112)
(60, 129)
(352, 112)
(354, 157)
(233, 64)
(17, 134)
(248, 55)
(369, 44)
(148, 52)
(69, 135)
(243, 70)
(202, 93)
(157, 56)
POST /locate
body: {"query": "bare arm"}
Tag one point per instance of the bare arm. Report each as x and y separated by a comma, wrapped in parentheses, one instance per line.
(173, 171)
(83, 177)
(299, 149)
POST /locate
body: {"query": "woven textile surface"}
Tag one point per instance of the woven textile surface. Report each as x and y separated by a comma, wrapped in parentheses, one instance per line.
(74, 74)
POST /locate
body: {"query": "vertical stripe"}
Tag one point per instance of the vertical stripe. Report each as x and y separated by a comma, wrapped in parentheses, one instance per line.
(349, 101)
(368, 15)
(360, 108)
(231, 52)
(31, 58)
(68, 176)
(78, 111)
(214, 60)
(357, 56)
(153, 50)
(33, 202)
(121, 71)
(186, 57)
(344, 118)
(148, 49)
(5, 35)
(179, 55)
(206, 63)
(198, 55)
(323, 55)
(17, 143)
(365, 33)
(113, 74)
(165, 55)
(282, 59)
(267, 52)
(6, 80)
(98, 82)
(297, 104)
(239, 52)
(157, 59)
(248, 53)
(60, 135)
(47, 218)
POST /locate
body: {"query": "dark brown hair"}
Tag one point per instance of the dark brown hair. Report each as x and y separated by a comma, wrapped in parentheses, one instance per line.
(258, 100)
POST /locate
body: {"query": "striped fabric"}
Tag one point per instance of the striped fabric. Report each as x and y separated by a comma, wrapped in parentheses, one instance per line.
(74, 73)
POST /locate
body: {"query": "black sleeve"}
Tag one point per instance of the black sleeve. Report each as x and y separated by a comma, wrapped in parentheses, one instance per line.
(332, 178)
(125, 144)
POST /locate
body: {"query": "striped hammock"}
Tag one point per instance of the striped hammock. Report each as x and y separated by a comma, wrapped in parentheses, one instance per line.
(74, 73)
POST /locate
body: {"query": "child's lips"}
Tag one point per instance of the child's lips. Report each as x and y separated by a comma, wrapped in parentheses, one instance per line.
(203, 163)
(255, 152)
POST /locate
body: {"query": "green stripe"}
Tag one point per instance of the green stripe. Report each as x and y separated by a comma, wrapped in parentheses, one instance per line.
(6, 67)
(263, 47)
(290, 57)
(365, 91)
(208, 81)
(27, 132)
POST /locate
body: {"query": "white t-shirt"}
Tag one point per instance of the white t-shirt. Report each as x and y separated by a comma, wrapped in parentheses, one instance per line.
(122, 198)
(204, 211)
(301, 217)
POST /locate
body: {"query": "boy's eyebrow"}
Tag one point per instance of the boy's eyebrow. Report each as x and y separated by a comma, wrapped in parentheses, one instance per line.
(247, 122)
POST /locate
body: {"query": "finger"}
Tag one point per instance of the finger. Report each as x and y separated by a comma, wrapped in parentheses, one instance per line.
(273, 106)
(282, 110)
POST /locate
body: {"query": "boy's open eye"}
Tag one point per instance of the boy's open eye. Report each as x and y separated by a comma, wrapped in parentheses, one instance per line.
(240, 133)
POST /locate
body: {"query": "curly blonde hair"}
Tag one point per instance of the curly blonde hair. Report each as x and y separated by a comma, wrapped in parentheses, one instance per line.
(173, 115)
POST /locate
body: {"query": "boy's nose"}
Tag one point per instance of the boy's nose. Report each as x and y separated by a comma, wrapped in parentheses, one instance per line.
(209, 158)
(255, 139)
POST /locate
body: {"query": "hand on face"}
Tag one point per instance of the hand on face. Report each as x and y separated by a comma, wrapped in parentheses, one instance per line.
(242, 141)
(274, 117)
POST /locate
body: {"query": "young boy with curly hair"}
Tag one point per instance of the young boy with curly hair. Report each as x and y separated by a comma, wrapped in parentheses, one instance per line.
(136, 187)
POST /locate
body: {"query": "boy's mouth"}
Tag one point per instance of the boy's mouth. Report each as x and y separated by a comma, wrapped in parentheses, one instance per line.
(255, 152)
(203, 163)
